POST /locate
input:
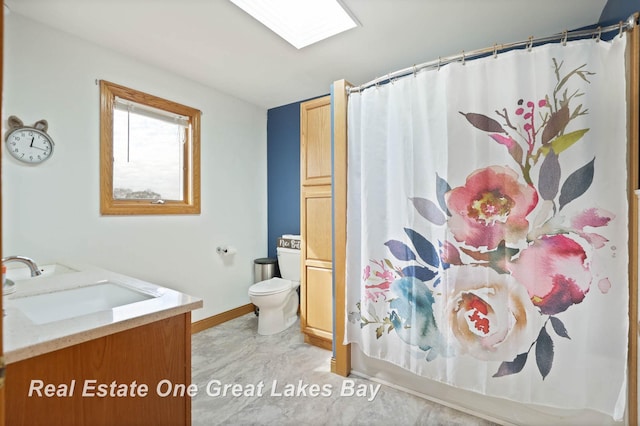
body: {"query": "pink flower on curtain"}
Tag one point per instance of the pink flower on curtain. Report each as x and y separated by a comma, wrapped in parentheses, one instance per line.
(490, 314)
(555, 273)
(382, 281)
(491, 207)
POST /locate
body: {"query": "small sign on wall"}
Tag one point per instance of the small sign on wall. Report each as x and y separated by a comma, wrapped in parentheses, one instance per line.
(289, 243)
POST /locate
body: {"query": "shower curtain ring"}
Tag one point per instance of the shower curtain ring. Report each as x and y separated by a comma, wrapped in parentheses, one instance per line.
(390, 79)
(495, 50)
(463, 58)
(530, 44)
(599, 34)
(439, 62)
(620, 29)
(415, 71)
(565, 35)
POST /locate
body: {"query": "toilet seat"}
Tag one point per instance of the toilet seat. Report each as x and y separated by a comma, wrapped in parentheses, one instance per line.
(272, 286)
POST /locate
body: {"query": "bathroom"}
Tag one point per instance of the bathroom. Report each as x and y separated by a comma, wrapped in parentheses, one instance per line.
(249, 167)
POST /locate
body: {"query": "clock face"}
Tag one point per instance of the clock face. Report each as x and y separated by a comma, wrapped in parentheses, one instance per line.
(29, 145)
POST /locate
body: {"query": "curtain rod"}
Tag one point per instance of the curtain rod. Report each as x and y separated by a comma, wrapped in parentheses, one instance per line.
(495, 49)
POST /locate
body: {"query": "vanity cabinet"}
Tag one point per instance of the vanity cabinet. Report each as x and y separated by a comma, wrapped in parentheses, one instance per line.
(157, 355)
(316, 293)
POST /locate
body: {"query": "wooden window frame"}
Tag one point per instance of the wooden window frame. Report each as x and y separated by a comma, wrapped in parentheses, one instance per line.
(190, 204)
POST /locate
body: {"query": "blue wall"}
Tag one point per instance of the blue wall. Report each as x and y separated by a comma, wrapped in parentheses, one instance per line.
(283, 173)
(618, 10)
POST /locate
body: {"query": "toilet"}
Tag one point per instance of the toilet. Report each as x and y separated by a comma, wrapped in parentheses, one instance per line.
(277, 298)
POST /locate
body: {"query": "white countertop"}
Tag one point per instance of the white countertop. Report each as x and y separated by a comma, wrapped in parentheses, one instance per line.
(24, 339)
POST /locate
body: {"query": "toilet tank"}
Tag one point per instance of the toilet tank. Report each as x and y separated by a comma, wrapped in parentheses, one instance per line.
(289, 263)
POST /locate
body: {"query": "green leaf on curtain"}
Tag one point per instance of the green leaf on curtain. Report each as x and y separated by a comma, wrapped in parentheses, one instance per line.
(563, 142)
(379, 331)
(400, 250)
(389, 264)
(577, 183)
(428, 210)
(556, 124)
(559, 327)
(424, 248)
(499, 257)
(512, 367)
(482, 122)
(544, 353)
(442, 187)
(549, 179)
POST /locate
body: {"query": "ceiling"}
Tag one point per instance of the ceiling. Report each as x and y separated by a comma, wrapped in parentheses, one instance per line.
(215, 43)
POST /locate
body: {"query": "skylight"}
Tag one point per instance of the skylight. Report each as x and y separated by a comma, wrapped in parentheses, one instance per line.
(300, 22)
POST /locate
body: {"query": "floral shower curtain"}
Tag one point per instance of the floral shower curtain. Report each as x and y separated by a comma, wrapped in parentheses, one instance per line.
(487, 225)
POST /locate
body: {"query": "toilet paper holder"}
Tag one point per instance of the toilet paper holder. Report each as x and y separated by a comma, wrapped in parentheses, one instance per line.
(225, 250)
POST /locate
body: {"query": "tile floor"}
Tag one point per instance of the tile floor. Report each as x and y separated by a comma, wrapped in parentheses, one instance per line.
(280, 380)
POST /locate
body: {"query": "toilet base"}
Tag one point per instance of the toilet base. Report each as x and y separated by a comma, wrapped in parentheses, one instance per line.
(276, 318)
(273, 322)
(276, 311)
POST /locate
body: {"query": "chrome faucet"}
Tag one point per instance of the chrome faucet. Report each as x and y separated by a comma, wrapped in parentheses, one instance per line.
(35, 271)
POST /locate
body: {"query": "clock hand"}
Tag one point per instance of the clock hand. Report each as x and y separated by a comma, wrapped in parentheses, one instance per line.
(37, 147)
(31, 146)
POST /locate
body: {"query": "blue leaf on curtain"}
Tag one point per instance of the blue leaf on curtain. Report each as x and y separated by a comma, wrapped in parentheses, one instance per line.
(419, 272)
(400, 250)
(544, 353)
(425, 249)
(549, 179)
(512, 367)
(577, 183)
(559, 328)
(428, 210)
(442, 187)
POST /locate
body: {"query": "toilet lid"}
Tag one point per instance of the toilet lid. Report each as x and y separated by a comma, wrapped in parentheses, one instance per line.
(272, 286)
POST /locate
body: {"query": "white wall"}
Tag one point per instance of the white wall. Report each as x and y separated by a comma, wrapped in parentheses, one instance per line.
(51, 211)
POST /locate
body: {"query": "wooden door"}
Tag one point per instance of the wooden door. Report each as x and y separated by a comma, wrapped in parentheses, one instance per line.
(316, 307)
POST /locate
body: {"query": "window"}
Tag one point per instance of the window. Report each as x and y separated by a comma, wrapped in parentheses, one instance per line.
(149, 154)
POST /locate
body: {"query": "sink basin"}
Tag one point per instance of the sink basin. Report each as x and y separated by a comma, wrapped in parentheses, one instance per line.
(17, 272)
(58, 305)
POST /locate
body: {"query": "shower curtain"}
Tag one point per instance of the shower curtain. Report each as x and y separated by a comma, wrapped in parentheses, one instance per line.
(487, 225)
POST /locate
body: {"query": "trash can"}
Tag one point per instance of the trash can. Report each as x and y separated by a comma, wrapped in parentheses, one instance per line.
(264, 269)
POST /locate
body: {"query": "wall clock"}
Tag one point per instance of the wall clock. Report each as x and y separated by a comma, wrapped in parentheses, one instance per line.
(29, 144)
